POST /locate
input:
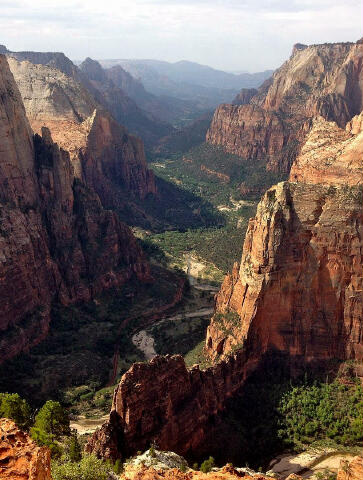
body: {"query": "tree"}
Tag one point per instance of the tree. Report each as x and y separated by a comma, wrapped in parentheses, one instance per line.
(52, 419)
(75, 450)
(16, 408)
(207, 465)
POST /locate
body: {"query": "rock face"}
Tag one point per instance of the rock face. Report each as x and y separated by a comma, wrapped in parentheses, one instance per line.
(57, 243)
(298, 293)
(321, 80)
(352, 470)
(244, 97)
(107, 89)
(299, 287)
(20, 457)
(103, 154)
(164, 402)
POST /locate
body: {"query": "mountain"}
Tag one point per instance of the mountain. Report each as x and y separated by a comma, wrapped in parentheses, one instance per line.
(271, 125)
(165, 79)
(52, 222)
(123, 108)
(296, 296)
(103, 91)
(166, 109)
(196, 74)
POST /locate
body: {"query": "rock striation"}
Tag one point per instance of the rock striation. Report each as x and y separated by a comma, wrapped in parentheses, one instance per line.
(302, 255)
(57, 242)
(103, 154)
(164, 402)
(297, 293)
(20, 457)
(110, 92)
(271, 125)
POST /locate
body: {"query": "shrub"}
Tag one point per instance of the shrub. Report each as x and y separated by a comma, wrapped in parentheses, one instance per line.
(52, 419)
(14, 407)
(89, 468)
(207, 465)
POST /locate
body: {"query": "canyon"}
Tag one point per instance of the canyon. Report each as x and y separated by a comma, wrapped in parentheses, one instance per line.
(71, 174)
(57, 241)
(271, 124)
(302, 255)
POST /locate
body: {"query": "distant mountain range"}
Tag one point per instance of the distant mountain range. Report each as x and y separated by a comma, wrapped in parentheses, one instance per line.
(190, 73)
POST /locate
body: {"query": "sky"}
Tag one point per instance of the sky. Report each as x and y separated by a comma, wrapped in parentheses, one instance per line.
(233, 35)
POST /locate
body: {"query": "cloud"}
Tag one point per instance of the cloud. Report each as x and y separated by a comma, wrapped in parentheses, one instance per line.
(229, 34)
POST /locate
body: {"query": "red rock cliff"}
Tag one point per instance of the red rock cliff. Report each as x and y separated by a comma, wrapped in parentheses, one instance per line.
(103, 154)
(298, 291)
(56, 240)
(299, 286)
(321, 80)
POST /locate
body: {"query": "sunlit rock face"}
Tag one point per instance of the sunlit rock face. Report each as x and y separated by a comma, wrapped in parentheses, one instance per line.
(57, 242)
(323, 80)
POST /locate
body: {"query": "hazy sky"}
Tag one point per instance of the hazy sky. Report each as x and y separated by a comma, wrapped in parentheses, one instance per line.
(228, 34)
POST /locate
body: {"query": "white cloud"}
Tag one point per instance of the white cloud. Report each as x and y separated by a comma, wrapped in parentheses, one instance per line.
(230, 34)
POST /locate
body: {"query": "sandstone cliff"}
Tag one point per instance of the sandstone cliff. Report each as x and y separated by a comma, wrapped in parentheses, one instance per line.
(321, 80)
(298, 292)
(57, 243)
(352, 470)
(164, 402)
(103, 154)
(20, 457)
(299, 286)
(124, 109)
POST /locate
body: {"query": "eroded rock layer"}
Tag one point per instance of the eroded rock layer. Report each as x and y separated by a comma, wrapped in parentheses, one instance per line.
(56, 240)
(20, 457)
(297, 294)
(271, 125)
(299, 286)
(103, 154)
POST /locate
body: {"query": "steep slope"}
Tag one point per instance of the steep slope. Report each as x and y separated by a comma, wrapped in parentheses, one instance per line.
(161, 108)
(122, 107)
(57, 243)
(321, 80)
(78, 124)
(297, 295)
(303, 256)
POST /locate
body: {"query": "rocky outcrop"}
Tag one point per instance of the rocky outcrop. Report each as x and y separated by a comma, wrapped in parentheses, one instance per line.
(57, 243)
(297, 294)
(244, 96)
(298, 289)
(123, 108)
(321, 80)
(103, 154)
(164, 402)
(20, 457)
(228, 472)
(352, 470)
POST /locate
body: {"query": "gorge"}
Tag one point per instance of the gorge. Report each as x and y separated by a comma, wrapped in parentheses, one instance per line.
(100, 241)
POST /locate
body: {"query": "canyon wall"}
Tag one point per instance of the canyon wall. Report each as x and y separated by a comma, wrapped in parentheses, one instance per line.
(57, 243)
(271, 125)
(297, 293)
(299, 286)
(103, 154)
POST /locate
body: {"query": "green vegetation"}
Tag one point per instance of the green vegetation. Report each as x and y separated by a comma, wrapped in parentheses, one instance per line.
(74, 363)
(16, 408)
(52, 419)
(225, 190)
(322, 411)
(207, 465)
(88, 468)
